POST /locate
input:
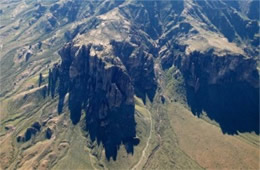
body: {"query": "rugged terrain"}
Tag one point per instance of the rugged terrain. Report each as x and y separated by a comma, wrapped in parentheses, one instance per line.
(129, 84)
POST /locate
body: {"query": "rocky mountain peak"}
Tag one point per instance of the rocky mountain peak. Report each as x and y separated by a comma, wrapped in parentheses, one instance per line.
(99, 85)
(127, 77)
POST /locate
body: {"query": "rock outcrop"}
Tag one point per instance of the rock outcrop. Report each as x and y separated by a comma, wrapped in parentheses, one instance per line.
(139, 62)
(48, 133)
(30, 132)
(225, 87)
(115, 49)
(99, 85)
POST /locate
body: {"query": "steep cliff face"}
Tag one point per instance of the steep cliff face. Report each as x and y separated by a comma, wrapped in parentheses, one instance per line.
(210, 68)
(200, 55)
(225, 87)
(118, 57)
(139, 63)
(99, 85)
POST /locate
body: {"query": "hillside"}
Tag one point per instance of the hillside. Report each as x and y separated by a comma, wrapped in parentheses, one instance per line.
(129, 84)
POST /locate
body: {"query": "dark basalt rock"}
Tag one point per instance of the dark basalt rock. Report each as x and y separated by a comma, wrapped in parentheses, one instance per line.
(103, 89)
(9, 127)
(37, 126)
(102, 84)
(162, 99)
(48, 133)
(253, 12)
(52, 80)
(140, 66)
(225, 87)
(44, 91)
(29, 133)
(20, 139)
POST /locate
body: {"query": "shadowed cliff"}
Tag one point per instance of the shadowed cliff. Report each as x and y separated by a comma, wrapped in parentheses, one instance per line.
(228, 93)
(103, 90)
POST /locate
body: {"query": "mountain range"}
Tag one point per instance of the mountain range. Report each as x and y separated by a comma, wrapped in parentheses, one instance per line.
(113, 84)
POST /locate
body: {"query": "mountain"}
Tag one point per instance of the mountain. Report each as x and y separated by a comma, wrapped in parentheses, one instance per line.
(108, 84)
